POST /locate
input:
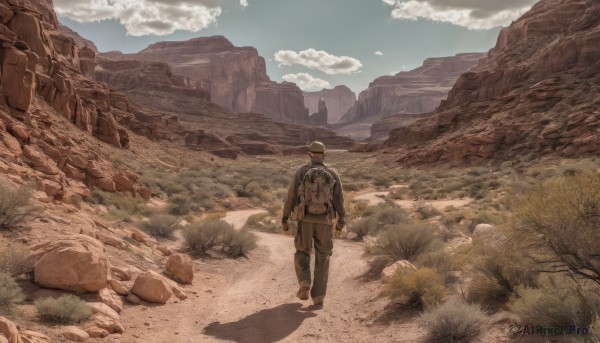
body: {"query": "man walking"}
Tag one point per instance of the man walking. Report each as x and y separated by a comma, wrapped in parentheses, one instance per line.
(315, 197)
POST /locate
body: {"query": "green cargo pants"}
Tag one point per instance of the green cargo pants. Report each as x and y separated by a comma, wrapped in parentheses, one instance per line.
(322, 234)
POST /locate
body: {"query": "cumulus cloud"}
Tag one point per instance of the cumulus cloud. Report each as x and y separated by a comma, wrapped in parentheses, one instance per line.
(244, 3)
(378, 53)
(306, 81)
(319, 60)
(143, 17)
(472, 14)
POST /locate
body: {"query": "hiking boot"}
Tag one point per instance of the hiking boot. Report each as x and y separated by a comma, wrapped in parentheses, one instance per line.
(303, 292)
(318, 301)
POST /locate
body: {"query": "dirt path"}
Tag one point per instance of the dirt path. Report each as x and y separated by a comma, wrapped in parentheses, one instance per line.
(374, 198)
(239, 218)
(253, 300)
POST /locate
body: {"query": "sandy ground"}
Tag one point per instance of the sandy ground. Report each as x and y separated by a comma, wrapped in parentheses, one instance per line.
(374, 198)
(253, 300)
(239, 218)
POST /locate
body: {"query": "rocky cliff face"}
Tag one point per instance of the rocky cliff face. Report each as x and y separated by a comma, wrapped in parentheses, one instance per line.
(536, 93)
(235, 77)
(49, 105)
(417, 91)
(339, 100)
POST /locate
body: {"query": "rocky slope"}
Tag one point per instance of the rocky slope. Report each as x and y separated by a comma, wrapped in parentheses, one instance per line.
(52, 116)
(535, 93)
(235, 77)
(339, 100)
(417, 91)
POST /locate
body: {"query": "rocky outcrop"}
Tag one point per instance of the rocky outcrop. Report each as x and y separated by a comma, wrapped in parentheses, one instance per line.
(48, 99)
(339, 100)
(129, 74)
(534, 94)
(9, 332)
(417, 91)
(319, 118)
(235, 77)
(380, 131)
(77, 263)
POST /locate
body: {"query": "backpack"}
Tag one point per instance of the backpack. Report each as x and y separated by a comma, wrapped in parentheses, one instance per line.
(316, 190)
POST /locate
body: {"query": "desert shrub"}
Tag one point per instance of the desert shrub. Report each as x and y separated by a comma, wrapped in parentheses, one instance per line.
(238, 242)
(180, 205)
(98, 197)
(423, 287)
(10, 292)
(442, 261)
(363, 226)
(216, 215)
(15, 260)
(406, 242)
(454, 321)
(555, 307)
(15, 206)
(161, 225)
(377, 218)
(560, 220)
(68, 309)
(202, 236)
(499, 270)
(427, 211)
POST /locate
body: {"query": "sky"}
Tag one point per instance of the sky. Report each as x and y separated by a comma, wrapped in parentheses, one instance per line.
(314, 43)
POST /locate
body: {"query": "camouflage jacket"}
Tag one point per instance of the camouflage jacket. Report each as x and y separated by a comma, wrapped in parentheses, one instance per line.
(292, 197)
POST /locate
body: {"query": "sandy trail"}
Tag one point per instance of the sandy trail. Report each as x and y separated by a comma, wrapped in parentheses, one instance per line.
(253, 300)
(239, 218)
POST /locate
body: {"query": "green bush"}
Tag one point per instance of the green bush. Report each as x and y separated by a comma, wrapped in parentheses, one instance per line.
(555, 307)
(559, 221)
(421, 287)
(10, 292)
(443, 262)
(377, 218)
(15, 206)
(238, 242)
(406, 242)
(161, 225)
(202, 236)
(68, 309)
(454, 321)
(15, 260)
(180, 205)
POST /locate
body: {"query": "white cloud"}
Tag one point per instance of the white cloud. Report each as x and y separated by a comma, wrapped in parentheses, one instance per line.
(320, 60)
(244, 3)
(306, 81)
(472, 14)
(378, 53)
(144, 17)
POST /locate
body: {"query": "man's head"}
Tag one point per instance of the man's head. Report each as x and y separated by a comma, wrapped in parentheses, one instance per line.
(316, 150)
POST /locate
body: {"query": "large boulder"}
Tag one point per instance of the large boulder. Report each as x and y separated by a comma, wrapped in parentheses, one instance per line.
(77, 263)
(152, 287)
(9, 330)
(74, 333)
(180, 267)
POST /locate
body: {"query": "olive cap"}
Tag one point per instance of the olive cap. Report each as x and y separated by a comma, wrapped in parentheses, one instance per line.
(316, 147)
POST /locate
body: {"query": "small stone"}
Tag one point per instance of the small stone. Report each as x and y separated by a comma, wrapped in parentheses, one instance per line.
(74, 334)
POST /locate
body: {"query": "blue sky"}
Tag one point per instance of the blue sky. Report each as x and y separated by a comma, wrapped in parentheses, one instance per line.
(344, 34)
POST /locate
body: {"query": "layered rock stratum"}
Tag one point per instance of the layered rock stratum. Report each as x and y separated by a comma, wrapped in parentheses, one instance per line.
(535, 94)
(339, 100)
(235, 77)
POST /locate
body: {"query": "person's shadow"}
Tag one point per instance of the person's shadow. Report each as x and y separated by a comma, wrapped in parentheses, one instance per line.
(269, 325)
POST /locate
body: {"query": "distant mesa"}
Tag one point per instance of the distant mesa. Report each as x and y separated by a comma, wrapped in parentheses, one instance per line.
(235, 77)
(320, 117)
(339, 100)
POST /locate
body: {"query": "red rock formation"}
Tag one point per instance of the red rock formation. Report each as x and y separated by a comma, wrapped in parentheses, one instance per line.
(534, 94)
(380, 131)
(339, 100)
(235, 77)
(47, 101)
(319, 118)
(417, 91)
